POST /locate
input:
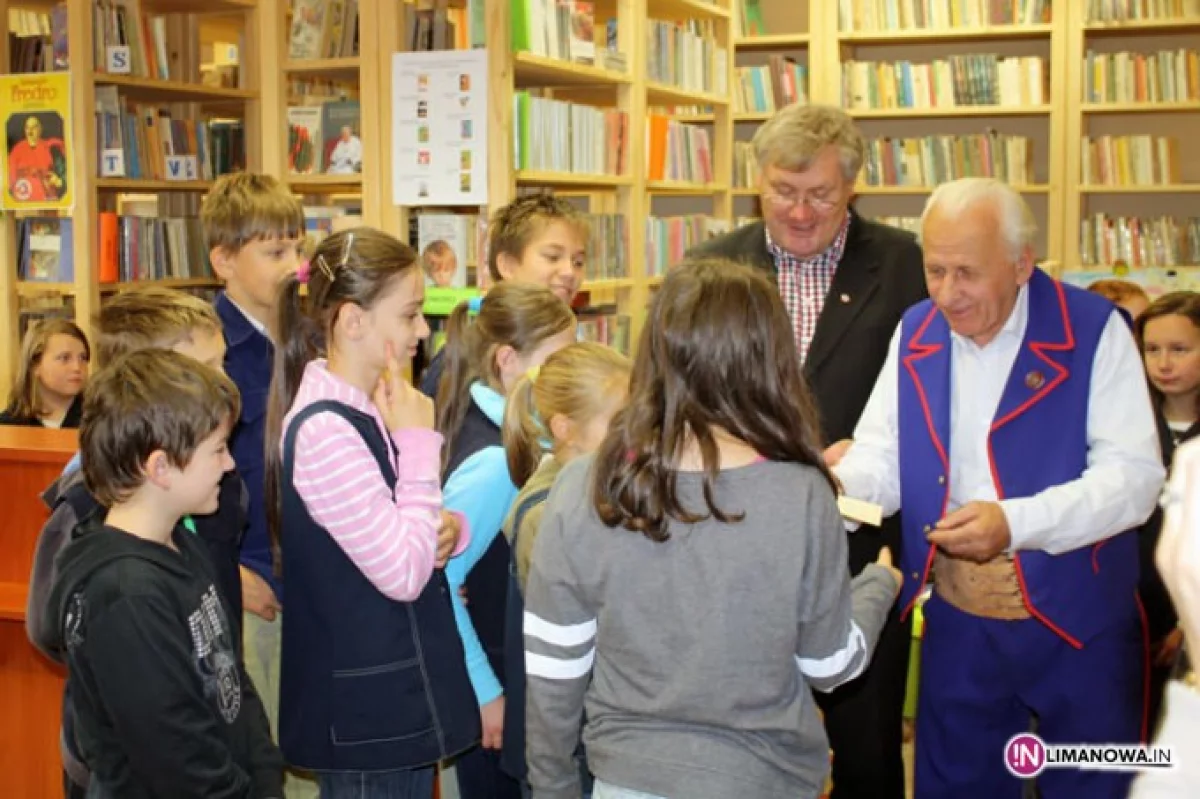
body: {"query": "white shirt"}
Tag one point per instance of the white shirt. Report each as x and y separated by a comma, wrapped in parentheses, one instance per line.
(1116, 491)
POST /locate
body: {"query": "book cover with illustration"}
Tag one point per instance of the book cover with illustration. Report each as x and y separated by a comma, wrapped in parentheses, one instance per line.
(304, 139)
(443, 246)
(341, 124)
(37, 168)
(46, 250)
(310, 24)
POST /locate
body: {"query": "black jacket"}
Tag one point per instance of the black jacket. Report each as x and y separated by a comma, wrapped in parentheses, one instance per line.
(69, 422)
(881, 274)
(162, 706)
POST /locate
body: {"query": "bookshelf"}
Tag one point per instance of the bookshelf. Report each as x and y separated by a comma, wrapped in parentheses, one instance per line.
(174, 85)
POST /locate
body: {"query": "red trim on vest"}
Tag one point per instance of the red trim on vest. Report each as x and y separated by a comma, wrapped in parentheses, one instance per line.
(1037, 614)
(923, 351)
(1145, 668)
(1096, 555)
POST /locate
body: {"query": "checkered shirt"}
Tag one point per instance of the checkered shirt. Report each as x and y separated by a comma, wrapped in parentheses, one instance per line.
(804, 284)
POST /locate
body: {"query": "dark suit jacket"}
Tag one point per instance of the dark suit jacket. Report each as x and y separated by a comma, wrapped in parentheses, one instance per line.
(880, 275)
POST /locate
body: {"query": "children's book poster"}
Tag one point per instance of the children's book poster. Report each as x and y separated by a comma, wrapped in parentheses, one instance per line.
(37, 166)
(439, 129)
(443, 242)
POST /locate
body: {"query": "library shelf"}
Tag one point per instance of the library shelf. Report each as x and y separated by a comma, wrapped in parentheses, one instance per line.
(775, 41)
(918, 190)
(683, 187)
(1159, 188)
(964, 34)
(950, 111)
(693, 119)
(744, 191)
(324, 183)
(684, 9)
(532, 70)
(37, 288)
(608, 284)
(527, 177)
(152, 90)
(332, 68)
(753, 116)
(1167, 25)
(1102, 267)
(190, 6)
(1184, 106)
(665, 94)
(166, 282)
(146, 185)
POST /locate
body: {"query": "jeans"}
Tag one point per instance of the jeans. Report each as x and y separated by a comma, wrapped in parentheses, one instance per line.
(404, 784)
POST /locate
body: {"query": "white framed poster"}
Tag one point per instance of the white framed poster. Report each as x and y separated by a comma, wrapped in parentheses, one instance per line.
(439, 127)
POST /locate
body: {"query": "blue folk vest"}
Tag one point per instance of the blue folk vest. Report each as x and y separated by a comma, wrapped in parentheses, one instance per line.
(366, 683)
(1038, 439)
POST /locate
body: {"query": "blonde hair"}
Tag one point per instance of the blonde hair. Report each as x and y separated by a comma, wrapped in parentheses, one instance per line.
(1119, 291)
(577, 382)
(791, 139)
(25, 400)
(150, 317)
(243, 207)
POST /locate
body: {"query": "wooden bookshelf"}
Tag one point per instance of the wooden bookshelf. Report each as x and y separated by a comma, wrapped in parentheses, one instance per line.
(1185, 107)
(933, 35)
(533, 71)
(185, 96)
(779, 41)
(951, 111)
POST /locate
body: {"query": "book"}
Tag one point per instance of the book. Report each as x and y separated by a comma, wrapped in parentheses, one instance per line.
(310, 23)
(444, 248)
(341, 123)
(304, 139)
(46, 249)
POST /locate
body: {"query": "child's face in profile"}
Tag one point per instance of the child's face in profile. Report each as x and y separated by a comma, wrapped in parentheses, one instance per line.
(253, 274)
(197, 486)
(396, 319)
(554, 258)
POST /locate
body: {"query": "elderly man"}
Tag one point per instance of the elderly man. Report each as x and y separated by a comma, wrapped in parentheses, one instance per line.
(844, 281)
(1012, 426)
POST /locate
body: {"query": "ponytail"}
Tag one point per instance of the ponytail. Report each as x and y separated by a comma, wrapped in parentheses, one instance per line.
(298, 342)
(454, 387)
(522, 432)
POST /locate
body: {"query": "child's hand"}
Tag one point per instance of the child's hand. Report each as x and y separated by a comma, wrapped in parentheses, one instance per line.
(257, 596)
(491, 717)
(885, 560)
(448, 535)
(400, 403)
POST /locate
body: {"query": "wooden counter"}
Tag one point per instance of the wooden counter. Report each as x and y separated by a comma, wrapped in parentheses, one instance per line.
(30, 686)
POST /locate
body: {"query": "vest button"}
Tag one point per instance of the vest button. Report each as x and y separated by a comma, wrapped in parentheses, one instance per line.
(916, 576)
(928, 528)
(941, 479)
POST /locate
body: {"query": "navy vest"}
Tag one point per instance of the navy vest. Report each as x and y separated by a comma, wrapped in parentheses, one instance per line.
(1038, 439)
(366, 683)
(487, 583)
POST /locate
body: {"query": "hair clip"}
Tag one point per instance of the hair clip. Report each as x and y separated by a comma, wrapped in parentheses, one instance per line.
(304, 272)
(474, 305)
(324, 265)
(532, 373)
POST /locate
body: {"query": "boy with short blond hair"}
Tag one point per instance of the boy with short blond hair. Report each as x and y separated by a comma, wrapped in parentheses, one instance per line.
(161, 703)
(254, 228)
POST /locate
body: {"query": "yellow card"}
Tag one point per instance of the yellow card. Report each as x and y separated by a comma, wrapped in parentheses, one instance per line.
(856, 510)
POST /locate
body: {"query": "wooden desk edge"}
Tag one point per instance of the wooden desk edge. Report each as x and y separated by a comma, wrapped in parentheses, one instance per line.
(13, 598)
(37, 444)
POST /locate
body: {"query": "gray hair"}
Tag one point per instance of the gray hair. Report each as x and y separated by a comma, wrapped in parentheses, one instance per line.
(793, 137)
(956, 197)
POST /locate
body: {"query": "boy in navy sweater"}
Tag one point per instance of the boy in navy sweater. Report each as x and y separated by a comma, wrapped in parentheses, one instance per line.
(254, 229)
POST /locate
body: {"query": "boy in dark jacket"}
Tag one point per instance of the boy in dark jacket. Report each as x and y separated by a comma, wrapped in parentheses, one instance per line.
(162, 706)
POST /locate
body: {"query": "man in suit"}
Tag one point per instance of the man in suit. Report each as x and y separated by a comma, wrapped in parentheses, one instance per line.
(845, 281)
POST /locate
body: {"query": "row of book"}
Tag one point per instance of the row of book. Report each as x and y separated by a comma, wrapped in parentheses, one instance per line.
(608, 247)
(960, 80)
(746, 173)
(603, 324)
(1140, 241)
(1166, 76)
(558, 136)
(930, 160)
(764, 89)
(325, 138)
(1131, 10)
(145, 141)
(686, 55)
(1139, 160)
(559, 29)
(131, 248)
(749, 20)
(37, 41)
(117, 24)
(668, 238)
(314, 91)
(433, 25)
(323, 29)
(890, 15)
(678, 151)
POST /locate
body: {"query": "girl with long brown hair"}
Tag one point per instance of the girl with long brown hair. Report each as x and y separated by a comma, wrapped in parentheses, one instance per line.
(690, 579)
(48, 388)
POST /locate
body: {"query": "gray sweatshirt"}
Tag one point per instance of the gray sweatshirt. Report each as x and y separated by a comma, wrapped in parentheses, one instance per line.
(695, 656)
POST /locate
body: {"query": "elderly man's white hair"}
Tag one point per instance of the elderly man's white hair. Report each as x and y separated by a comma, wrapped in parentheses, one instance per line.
(956, 197)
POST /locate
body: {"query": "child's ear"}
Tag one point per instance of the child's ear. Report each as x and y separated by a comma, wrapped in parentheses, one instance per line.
(157, 469)
(561, 428)
(506, 264)
(222, 259)
(352, 320)
(507, 359)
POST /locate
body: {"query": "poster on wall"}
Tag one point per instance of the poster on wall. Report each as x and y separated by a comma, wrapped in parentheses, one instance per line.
(36, 172)
(439, 127)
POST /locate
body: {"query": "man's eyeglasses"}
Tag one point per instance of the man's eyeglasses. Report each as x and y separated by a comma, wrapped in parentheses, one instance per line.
(788, 202)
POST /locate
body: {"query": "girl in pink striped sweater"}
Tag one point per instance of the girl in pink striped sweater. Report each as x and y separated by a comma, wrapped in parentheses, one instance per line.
(372, 672)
